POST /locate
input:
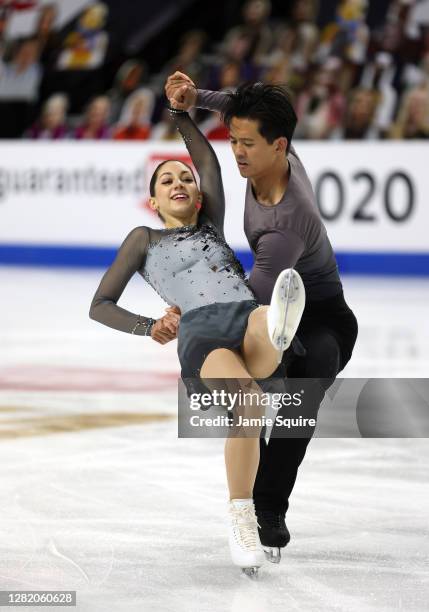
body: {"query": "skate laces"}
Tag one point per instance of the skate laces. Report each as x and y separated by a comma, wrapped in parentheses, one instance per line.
(245, 520)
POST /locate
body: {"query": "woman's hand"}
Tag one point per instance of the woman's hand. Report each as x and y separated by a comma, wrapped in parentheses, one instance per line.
(181, 91)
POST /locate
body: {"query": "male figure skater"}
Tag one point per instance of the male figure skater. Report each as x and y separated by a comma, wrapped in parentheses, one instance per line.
(284, 230)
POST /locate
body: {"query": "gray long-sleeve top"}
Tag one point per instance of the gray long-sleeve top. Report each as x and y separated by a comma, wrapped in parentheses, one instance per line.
(290, 234)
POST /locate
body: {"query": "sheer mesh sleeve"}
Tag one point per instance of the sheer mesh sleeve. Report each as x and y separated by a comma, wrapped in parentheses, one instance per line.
(104, 309)
(207, 165)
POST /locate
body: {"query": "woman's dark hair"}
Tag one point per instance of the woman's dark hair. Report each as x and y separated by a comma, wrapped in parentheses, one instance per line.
(155, 177)
(270, 105)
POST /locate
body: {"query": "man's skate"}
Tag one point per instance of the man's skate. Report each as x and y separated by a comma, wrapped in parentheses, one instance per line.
(285, 310)
(244, 544)
(273, 533)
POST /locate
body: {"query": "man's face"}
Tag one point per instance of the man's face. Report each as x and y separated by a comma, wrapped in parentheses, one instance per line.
(254, 155)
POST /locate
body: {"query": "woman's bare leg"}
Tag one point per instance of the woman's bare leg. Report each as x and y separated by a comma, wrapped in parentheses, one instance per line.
(241, 453)
(259, 355)
(270, 329)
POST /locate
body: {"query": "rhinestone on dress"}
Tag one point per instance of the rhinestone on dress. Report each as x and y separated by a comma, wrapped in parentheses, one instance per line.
(205, 253)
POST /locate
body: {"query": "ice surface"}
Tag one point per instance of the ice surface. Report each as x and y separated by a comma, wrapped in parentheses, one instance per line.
(99, 495)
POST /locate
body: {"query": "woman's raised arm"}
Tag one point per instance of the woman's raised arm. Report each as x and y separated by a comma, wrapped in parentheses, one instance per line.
(207, 165)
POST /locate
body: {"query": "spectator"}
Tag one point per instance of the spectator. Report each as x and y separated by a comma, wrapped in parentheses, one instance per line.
(279, 71)
(85, 48)
(20, 78)
(96, 123)
(135, 119)
(188, 59)
(320, 108)
(413, 116)
(361, 110)
(52, 123)
(320, 67)
(2, 63)
(46, 34)
(229, 78)
(392, 38)
(379, 75)
(255, 33)
(128, 79)
(418, 17)
(347, 38)
(4, 19)
(166, 128)
(225, 75)
(417, 32)
(297, 40)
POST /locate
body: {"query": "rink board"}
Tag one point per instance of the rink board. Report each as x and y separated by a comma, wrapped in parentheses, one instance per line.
(72, 204)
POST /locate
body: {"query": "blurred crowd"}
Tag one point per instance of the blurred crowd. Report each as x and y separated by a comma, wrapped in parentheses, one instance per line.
(347, 81)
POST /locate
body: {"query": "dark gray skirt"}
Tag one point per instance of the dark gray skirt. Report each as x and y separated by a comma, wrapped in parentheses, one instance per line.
(204, 329)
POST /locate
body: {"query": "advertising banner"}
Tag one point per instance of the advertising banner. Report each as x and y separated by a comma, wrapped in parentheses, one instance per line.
(82, 198)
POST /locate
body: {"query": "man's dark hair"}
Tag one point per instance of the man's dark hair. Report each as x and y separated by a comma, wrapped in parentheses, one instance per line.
(270, 105)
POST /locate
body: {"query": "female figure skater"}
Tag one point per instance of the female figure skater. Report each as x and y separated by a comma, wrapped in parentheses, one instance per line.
(223, 333)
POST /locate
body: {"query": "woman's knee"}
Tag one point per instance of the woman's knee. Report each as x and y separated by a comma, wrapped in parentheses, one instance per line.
(223, 363)
(257, 322)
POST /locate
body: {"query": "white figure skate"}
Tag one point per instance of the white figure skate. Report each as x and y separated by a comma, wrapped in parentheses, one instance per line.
(244, 543)
(286, 308)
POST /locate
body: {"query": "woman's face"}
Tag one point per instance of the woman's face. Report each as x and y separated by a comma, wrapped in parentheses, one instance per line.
(176, 192)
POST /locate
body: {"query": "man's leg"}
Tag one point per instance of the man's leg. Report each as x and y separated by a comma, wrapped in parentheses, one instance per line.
(281, 458)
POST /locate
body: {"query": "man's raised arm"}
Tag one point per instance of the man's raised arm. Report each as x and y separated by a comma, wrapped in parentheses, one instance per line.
(184, 92)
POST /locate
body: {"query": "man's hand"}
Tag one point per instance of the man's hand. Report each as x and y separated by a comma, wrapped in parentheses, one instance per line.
(181, 91)
(165, 329)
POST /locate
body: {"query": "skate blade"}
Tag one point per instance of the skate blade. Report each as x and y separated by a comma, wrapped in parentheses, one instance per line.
(272, 555)
(279, 339)
(251, 572)
(289, 292)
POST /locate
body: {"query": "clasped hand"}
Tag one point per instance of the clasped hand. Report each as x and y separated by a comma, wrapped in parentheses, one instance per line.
(181, 91)
(165, 329)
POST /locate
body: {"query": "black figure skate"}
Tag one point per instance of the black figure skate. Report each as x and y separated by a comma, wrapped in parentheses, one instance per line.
(273, 533)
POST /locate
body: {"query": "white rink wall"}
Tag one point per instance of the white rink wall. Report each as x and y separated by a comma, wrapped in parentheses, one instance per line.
(80, 196)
